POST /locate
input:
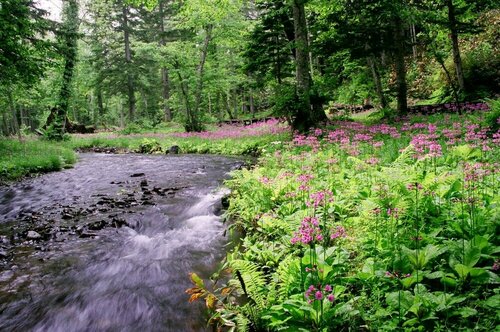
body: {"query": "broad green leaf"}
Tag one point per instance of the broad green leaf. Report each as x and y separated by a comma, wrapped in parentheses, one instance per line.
(493, 302)
(472, 256)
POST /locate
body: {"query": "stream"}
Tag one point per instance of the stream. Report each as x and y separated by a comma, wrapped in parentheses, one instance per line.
(108, 244)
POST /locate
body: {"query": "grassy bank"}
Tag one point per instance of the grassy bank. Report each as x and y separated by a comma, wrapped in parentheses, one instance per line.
(18, 159)
(32, 156)
(367, 227)
(228, 140)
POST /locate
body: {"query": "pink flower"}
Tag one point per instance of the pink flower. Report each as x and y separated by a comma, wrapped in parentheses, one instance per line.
(264, 180)
(318, 295)
(339, 233)
(308, 232)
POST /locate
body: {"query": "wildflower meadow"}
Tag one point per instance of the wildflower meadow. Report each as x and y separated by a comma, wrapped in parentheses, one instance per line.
(359, 227)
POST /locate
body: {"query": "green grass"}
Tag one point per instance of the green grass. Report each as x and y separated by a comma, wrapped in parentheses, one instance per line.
(33, 156)
(18, 159)
(225, 146)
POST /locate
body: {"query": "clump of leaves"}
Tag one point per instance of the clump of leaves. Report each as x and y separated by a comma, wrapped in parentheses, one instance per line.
(149, 146)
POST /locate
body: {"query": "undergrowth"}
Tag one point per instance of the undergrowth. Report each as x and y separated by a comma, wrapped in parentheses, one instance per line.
(366, 227)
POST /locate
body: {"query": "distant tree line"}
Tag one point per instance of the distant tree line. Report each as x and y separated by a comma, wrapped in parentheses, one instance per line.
(116, 63)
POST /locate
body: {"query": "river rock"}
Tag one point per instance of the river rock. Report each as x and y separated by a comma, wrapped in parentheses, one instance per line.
(32, 235)
(7, 275)
(4, 239)
(3, 253)
(136, 175)
(174, 149)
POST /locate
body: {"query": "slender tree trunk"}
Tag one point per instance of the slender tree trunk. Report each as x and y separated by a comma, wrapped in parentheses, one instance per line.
(399, 57)
(220, 113)
(278, 62)
(235, 104)
(252, 105)
(128, 60)
(228, 107)
(100, 104)
(145, 101)
(122, 117)
(413, 35)
(70, 34)
(5, 125)
(376, 79)
(185, 94)
(165, 81)
(448, 78)
(196, 126)
(457, 60)
(12, 106)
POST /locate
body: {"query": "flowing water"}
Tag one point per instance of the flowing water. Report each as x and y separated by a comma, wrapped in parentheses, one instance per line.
(108, 245)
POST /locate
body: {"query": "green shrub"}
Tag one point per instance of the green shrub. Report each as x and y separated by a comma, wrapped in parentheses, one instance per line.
(149, 146)
(492, 118)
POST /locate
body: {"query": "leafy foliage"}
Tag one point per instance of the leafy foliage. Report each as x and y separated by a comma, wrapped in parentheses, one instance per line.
(372, 226)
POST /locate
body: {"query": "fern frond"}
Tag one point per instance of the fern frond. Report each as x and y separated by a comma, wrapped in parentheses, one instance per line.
(287, 273)
(406, 157)
(252, 281)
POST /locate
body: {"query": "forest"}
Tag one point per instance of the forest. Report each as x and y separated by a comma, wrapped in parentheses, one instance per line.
(250, 165)
(116, 64)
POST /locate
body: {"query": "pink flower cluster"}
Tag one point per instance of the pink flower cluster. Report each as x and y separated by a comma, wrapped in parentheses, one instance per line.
(308, 232)
(475, 173)
(426, 144)
(303, 140)
(339, 232)
(304, 179)
(427, 139)
(318, 293)
(320, 198)
(272, 126)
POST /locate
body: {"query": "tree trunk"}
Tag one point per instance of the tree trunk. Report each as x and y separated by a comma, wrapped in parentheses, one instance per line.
(128, 60)
(219, 111)
(448, 77)
(165, 81)
(100, 104)
(399, 57)
(228, 107)
(413, 35)
(12, 106)
(184, 90)
(303, 119)
(376, 79)
(5, 125)
(70, 34)
(252, 105)
(278, 63)
(235, 104)
(457, 60)
(196, 126)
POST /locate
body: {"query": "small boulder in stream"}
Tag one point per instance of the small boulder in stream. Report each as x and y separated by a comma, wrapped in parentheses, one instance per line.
(174, 149)
(32, 235)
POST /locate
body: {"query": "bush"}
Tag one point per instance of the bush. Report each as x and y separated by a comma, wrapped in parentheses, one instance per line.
(149, 146)
(492, 118)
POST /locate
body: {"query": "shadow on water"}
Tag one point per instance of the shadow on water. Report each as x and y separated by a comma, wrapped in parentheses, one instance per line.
(107, 246)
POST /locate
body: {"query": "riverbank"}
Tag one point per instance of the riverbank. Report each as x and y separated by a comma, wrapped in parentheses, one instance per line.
(386, 227)
(33, 155)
